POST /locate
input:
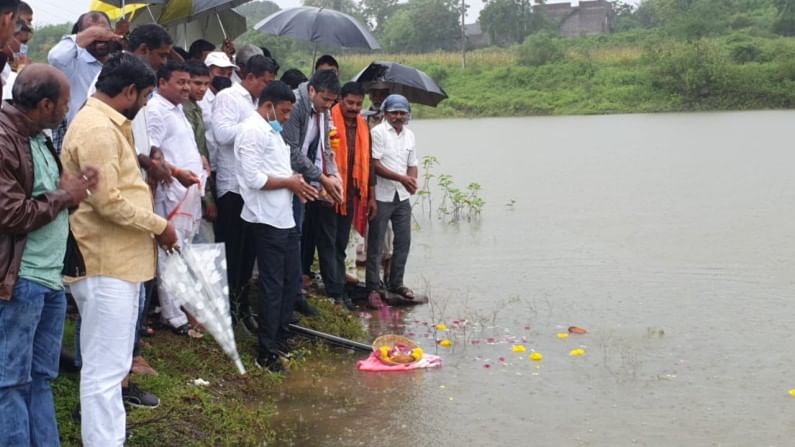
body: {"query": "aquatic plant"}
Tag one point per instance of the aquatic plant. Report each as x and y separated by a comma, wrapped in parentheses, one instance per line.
(456, 204)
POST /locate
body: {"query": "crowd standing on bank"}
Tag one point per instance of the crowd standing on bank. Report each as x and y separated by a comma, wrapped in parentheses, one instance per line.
(124, 148)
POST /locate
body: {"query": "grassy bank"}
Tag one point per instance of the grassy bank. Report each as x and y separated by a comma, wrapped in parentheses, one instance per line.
(621, 73)
(233, 410)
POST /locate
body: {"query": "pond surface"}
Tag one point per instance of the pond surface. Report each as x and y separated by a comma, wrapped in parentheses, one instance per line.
(670, 238)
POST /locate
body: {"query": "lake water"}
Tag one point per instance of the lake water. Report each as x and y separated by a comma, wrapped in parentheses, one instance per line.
(670, 238)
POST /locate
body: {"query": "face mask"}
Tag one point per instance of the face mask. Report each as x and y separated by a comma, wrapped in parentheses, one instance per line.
(276, 125)
(23, 49)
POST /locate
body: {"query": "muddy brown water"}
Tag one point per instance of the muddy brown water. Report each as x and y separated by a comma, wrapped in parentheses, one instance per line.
(670, 238)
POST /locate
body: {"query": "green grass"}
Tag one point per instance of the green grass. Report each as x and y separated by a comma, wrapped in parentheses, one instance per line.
(233, 410)
(621, 73)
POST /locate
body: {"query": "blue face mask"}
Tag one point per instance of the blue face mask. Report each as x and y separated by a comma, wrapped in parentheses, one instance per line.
(276, 125)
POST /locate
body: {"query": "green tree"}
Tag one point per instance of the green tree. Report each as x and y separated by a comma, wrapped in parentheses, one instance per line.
(423, 25)
(349, 7)
(784, 23)
(507, 21)
(377, 12)
(44, 38)
(256, 11)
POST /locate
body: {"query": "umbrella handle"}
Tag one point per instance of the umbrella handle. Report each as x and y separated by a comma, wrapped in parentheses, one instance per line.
(221, 24)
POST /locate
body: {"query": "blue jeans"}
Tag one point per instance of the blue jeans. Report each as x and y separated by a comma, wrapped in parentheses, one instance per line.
(31, 329)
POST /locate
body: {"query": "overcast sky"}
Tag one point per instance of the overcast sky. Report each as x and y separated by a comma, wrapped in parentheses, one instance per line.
(60, 11)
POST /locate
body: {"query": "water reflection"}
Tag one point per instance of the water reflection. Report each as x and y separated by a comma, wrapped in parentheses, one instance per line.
(667, 236)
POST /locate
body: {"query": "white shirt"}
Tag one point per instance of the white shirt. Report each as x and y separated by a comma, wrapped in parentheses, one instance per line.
(170, 131)
(397, 152)
(206, 104)
(315, 130)
(79, 66)
(231, 107)
(8, 82)
(261, 153)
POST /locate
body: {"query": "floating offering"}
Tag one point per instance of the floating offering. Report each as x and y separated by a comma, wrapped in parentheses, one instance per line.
(445, 343)
(536, 357)
(441, 327)
(577, 330)
(562, 335)
(518, 348)
(792, 392)
(577, 352)
(395, 350)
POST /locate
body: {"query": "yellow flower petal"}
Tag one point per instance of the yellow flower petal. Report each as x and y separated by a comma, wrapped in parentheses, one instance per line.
(792, 392)
(445, 343)
(536, 356)
(577, 352)
(441, 327)
(562, 335)
(518, 348)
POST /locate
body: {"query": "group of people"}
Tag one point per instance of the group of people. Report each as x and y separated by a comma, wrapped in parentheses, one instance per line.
(123, 148)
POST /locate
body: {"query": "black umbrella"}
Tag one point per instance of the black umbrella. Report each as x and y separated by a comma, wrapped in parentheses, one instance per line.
(320, 26)
(410, 82)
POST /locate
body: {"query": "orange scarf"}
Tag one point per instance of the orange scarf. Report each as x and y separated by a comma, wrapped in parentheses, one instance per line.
(361, 166)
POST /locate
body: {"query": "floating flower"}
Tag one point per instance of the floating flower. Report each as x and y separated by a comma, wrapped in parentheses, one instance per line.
(536, 357)
(518, 348)
(384, 351)
(792, 392)
(563, 335)
(416, 353)
(487, 365)
(491, 340)
(445, 343)
(441, 327)
(577, 352)
(577, 330)
(502, 359)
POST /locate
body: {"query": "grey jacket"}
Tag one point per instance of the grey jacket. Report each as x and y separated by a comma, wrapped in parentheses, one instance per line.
(295, 133)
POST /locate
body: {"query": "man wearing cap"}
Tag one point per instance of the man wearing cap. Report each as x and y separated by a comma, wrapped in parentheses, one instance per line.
(220, 67)
(395, 160)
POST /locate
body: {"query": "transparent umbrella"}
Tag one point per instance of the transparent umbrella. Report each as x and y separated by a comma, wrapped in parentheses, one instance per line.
(196, 277)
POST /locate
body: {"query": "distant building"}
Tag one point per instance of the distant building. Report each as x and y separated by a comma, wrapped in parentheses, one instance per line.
(584, 18)
(476, 38)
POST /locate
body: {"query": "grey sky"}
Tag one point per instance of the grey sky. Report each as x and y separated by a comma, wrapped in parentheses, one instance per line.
(60, 11)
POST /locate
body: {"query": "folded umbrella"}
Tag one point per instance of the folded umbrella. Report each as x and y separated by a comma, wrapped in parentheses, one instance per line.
(414, 84)
(196, 278)
(319, 26)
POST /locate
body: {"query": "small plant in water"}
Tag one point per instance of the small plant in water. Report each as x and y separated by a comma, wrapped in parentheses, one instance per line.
(456, 204)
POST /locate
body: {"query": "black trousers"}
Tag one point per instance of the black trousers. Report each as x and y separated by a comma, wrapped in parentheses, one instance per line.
(279, 272)
(320, 222)
(235, 234)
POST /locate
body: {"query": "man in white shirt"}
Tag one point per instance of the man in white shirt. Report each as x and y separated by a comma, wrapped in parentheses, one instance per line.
(230, 109)
(80, 56)
(395, 159)
(180, 203)
(267, 184)
(220, 67)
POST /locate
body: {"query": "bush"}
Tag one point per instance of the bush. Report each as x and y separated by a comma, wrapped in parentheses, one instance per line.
(692, 70)
(539, 49)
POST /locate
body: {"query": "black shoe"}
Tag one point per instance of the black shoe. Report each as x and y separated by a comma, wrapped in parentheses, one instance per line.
(76, 416)
(344, 300)
(250, 324)
(271, 362)
(303, 307)
(136, 397)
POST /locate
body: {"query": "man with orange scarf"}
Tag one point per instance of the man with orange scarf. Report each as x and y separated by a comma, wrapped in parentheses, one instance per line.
(350, 140)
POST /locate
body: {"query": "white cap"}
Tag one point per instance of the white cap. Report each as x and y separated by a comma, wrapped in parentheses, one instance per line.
(219, 59)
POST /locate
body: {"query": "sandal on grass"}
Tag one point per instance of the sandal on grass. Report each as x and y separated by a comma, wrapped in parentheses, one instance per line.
(187, 330)
(404, 291)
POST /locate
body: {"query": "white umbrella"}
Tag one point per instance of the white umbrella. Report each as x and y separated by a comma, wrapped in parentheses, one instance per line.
(196, 278)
